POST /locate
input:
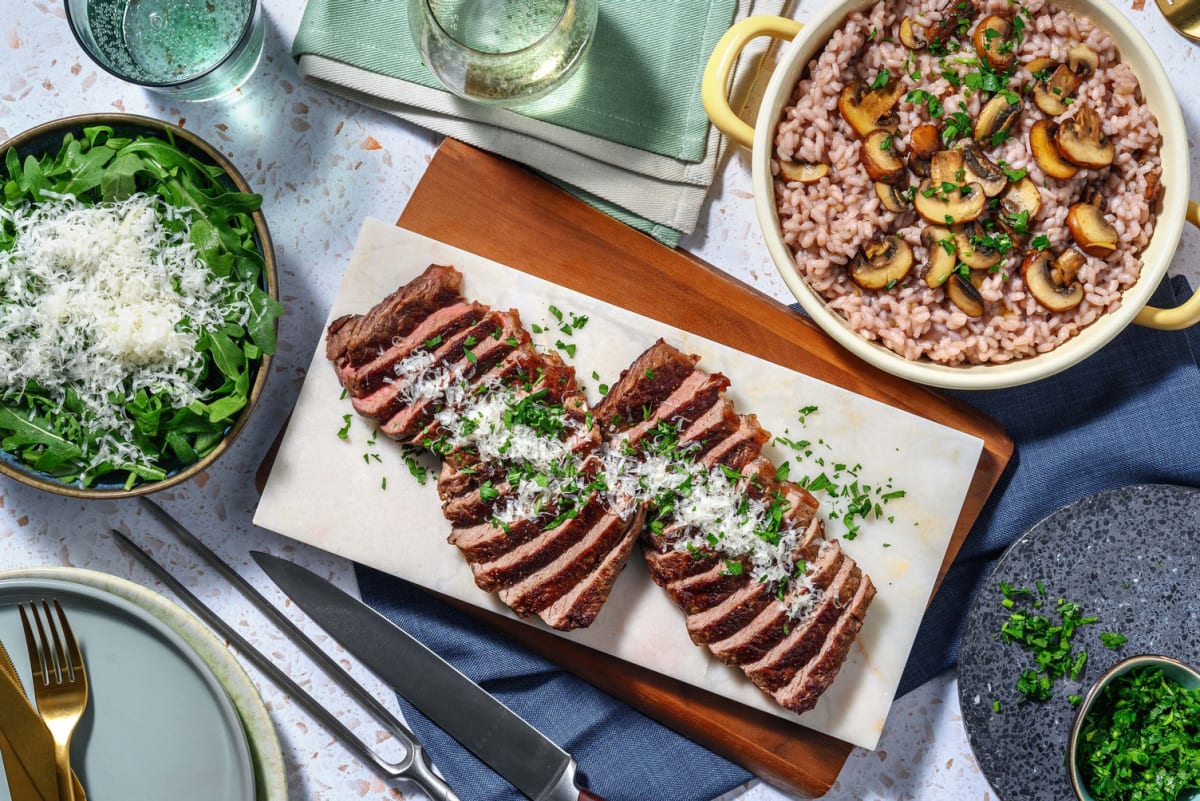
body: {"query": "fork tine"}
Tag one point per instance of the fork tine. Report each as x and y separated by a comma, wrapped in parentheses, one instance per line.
(35, 653)
(74, 655)
(51, 675)
(62, 666)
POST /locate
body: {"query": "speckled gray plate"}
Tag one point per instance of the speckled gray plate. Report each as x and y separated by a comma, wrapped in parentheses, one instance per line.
(1130, 556)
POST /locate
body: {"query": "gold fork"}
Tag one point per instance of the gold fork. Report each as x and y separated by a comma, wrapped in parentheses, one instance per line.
(1183, 16)
(59, 684)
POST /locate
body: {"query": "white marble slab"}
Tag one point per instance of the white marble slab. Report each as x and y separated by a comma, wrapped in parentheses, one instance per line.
(330, 492)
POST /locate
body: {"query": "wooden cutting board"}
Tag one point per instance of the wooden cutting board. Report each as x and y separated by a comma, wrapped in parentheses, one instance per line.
(500, 210)
(493, 207)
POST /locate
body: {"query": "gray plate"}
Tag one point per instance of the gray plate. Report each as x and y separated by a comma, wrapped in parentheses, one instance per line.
(1130, 556)
(159, 724)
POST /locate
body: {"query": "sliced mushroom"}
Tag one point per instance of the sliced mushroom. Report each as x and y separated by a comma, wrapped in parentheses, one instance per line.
(1051, 96)
(1041, 67)
(962, 204)
(981, 169)
(923, 142)
(1052, 284)
(803, 171)
(878, 153)
(947, 167)
(1081, 140)
(968, 241)
(993, 42)
(891, 198)
(939, 241)
(1021, 198)
(996, 117)
(867, 109)
(913, 35)
(1091, 231)
(1083, 61)
(881, 263)
(1045, 151)
(964, 295)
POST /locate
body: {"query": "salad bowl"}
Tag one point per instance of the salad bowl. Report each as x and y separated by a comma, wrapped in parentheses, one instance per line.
(210, 221)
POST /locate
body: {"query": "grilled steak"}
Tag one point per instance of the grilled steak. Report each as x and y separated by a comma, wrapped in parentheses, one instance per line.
(740, 551)
(517, 440)
(546, 499)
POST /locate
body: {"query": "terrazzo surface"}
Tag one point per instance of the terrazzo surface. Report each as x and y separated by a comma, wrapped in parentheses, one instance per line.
(1127, 557)
(323, 164)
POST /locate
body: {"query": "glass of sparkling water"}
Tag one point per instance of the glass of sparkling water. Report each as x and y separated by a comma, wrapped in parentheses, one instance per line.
(502, 52)
(188, 49)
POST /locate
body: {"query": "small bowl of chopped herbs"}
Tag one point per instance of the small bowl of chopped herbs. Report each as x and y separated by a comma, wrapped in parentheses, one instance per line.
(138, 305)
(1137, 734)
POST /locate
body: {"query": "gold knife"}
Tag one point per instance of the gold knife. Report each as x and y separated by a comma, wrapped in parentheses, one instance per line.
(29, 768)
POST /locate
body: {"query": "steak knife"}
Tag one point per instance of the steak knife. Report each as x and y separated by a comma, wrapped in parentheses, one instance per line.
(517, 751)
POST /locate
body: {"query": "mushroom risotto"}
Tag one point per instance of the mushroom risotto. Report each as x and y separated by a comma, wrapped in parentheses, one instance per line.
(968, 182)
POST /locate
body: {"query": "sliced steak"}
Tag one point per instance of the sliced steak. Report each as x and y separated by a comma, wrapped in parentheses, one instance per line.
(805, 637)
(441, 326)
(802, 692)
(355, 339)
(537, 552)
(578, 607)
(542, 588)
(389, 397)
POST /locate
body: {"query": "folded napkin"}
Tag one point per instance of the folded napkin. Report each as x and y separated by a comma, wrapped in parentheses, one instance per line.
(627, 130)
(1129, 414)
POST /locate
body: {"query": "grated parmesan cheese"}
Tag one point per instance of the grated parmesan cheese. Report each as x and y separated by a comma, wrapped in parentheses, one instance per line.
(105, 301)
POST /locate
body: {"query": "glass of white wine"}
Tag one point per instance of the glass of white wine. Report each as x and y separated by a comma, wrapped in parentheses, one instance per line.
(502, 52)
(188, 49)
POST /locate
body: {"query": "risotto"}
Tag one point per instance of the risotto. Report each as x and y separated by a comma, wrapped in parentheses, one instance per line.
(968, 183)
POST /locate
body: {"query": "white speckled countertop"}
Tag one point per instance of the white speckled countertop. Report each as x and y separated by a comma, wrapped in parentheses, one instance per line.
(323, 165)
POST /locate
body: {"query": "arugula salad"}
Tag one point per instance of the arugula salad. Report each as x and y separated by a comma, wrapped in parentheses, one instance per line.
(133, 310)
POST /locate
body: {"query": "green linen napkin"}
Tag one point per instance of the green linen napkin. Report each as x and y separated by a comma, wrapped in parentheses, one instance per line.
(628, 129)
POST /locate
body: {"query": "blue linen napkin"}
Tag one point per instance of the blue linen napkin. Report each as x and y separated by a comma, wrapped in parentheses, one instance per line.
(1129, 414)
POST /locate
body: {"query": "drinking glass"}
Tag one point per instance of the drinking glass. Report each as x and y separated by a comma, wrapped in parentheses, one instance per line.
(188, 49)
(502, 52)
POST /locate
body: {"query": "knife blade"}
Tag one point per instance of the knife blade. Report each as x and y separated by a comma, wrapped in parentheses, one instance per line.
(20, 783)
(31, 743)
(517, 751)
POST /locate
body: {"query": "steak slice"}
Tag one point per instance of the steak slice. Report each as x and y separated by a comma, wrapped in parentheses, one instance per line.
(802, 692)
(578, 607)
(443, 325)
(387, 398)
(644, 384)
(357, 338)
(742, 607)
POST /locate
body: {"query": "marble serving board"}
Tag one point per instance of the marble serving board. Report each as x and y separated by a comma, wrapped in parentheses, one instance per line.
(396, 524)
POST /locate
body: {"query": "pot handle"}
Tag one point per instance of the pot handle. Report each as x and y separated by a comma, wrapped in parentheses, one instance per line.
(1187, 313)
(714, 84)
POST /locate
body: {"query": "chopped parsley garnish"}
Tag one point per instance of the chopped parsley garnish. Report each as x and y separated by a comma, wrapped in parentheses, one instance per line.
(1048, 641)
(1140, 741)
(881, 79)
(1040, 242)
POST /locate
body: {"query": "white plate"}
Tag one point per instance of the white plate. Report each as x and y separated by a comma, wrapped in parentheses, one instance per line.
(171, 713)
